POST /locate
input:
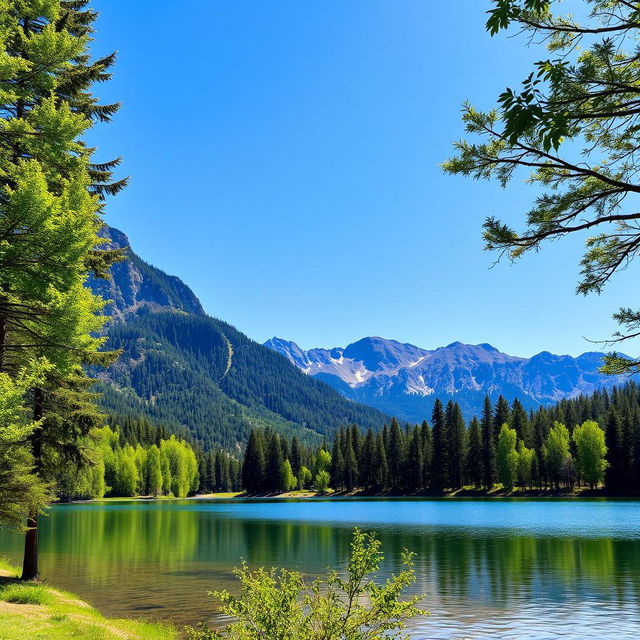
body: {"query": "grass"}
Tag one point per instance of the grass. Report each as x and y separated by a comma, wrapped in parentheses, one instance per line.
(33, 611)
(26, 594)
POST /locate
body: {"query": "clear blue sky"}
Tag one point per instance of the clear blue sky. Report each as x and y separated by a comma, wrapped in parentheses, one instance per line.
(284, 161)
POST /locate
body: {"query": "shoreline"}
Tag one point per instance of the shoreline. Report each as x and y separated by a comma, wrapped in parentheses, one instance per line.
(460, 494)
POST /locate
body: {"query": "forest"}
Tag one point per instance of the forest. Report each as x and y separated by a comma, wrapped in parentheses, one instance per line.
(587, 442)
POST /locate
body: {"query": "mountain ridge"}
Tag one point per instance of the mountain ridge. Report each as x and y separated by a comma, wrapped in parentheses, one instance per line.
(404, 379)
(199, 375)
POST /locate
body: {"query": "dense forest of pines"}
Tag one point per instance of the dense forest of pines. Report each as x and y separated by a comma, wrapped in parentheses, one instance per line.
(588, 441)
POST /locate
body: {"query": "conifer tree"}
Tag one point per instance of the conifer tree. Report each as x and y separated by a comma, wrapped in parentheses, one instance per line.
(367, 461)
(381, 468)
(337, 464)
(488, 449)
(415, 461)
(614, 475)
(456, 443)
(274, 462)
(501, 416)
(350, 468)
(296, 456)
(427, 452)
(474, 454)
(254, 465)
(396, 455)
(520, 421)
(440, 464)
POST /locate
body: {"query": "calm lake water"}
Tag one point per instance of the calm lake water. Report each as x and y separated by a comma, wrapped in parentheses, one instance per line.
(490, 568)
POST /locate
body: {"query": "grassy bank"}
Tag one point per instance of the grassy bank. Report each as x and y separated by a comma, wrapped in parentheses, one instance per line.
(31, 610)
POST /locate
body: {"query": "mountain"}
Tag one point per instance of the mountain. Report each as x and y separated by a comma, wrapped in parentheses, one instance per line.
(199, 375)
(404, 380)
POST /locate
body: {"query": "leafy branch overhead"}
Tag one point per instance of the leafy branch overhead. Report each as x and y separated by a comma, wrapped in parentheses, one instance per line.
(573, 126)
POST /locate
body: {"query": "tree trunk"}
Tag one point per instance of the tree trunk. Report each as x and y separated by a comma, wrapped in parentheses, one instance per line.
(30, 561)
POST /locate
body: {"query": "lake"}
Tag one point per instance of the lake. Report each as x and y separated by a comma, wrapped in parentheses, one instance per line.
(490, 568)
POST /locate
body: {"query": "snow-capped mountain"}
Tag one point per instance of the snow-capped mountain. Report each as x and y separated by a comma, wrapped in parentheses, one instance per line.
(404, 380)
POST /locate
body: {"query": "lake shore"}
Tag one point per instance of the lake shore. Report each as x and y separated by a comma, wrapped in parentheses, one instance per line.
(35, 610)
(466, 492)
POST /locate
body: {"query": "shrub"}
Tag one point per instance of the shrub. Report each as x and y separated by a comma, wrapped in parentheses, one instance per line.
(278, 604)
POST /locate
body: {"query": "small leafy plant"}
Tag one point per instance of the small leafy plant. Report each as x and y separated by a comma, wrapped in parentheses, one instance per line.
(278, 604)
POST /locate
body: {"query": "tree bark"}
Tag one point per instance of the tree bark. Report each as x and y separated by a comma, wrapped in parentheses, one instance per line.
(30, 569)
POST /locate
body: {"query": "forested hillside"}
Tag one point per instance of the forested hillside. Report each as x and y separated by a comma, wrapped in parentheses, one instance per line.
(200, 376)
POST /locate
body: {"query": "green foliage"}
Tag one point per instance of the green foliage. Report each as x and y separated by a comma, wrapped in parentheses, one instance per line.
(21, 492)
(288, 481)
(321, 481)
(278, 604)
(556, 453)
(591, 452)
(304, 477)
(507, 456)
(573, 128)
(525, 465)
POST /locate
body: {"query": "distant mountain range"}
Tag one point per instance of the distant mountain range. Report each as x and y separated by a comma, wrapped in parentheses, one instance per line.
(200, 375)
(404, 380)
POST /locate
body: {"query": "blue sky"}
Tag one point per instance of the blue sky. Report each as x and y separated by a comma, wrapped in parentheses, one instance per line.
(284, 161)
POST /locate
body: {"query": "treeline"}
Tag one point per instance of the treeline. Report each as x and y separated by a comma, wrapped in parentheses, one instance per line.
(273, 463)
(588, 441)
(137, 458)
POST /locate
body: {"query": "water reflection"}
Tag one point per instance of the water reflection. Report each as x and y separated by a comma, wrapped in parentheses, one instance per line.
(158, 560)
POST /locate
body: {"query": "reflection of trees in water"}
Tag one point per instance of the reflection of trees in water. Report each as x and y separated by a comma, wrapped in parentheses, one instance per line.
(180, 542)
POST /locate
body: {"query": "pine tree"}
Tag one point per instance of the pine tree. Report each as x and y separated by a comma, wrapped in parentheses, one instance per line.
(440, 465)
(254, 465)
(296, 456)
(427, 452)
(614, 476)
(501, 416)
(475, 454)
(456, 443)
(520, 421)
(337, 465)
(381, 467)
(367, 461)
(396, 455)
(415, 461)
(351, 467)
(274, 462)
(488, 448)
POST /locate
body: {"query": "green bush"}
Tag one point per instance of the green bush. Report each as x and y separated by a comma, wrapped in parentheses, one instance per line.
(278, 604)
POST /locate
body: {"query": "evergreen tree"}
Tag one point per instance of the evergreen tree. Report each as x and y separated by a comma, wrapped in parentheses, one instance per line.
(614, 474)
(381, 468)
(488, 449)
(274, 462)
(520, 421)
(296, 456)
(427, 452)
(474, 454)
(501, 416)
(350, 468)
(337, 465)
(396, 455)
(367, 461)
(254, 465)
(456, 442)
(440, 464)
(415, 461)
